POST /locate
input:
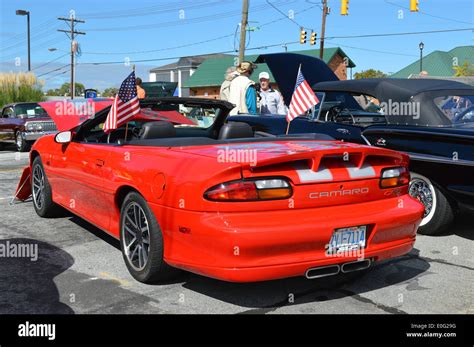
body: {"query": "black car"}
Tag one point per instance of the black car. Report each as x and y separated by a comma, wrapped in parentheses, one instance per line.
(431, 120)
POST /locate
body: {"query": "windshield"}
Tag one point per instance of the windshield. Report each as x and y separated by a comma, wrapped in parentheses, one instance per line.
(181, 115)
(337, 104)
(458, 109)
(30, 110)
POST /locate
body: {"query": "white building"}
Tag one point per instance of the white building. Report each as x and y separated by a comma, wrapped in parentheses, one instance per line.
(180, 71)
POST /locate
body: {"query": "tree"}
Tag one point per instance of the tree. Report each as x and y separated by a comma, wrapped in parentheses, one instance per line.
(370, 73)
(53, 92)
(65, 89)
(466, 69)
(110, 92)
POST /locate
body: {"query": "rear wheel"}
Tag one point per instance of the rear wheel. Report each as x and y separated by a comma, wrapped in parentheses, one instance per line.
(21, 144)
(141, 241)
(41, 191)
(438, 211)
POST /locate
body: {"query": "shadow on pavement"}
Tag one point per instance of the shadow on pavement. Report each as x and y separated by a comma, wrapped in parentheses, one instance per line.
(463, 226)
(95, 231)
(26, 284)
(298, 290)
(262, 297)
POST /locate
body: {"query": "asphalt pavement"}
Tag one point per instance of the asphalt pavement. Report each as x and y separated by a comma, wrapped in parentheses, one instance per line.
(80, 269)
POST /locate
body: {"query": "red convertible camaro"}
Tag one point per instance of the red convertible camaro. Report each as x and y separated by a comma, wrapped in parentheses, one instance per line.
(220, 200)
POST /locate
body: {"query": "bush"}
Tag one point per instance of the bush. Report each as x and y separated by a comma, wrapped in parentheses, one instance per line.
(19, 87)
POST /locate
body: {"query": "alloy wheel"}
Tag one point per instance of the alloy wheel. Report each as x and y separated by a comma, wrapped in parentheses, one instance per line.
(38, 186)
(136, 236)
(422, 191)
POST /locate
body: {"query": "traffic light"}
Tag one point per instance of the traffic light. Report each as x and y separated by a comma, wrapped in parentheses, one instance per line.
(303, 36)
(312, 39)
(414, 5)
(344, 7)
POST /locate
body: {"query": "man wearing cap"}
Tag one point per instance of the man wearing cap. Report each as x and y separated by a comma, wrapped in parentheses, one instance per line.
(271, 100)
(242, 90)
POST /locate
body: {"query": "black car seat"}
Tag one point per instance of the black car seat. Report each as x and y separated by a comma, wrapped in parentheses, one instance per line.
(235, 130)
(157, 130)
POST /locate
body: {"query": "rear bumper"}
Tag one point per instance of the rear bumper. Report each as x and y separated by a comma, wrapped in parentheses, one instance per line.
(265, 245)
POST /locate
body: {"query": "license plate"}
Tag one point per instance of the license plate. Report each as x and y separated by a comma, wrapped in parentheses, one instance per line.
(347, 239)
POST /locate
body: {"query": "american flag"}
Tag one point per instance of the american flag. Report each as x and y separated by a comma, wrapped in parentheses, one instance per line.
(303, 98)
(125, 105)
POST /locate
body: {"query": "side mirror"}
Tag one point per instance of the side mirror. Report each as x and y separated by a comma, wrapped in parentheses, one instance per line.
(63, 137)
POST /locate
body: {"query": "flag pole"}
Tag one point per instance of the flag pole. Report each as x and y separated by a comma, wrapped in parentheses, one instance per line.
(289, 121)
(126, 125)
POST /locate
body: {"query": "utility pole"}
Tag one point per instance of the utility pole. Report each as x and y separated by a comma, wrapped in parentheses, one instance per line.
(323, 28)
(243, 29)
(71, 34)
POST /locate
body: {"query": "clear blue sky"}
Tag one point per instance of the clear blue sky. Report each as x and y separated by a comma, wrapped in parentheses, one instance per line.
(121, 27)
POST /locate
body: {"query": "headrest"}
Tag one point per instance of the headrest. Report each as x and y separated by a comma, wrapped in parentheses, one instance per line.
(156, 130)
(235, 130)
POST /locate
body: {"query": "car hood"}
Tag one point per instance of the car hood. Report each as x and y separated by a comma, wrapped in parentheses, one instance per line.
(68, 114)
(284, 68)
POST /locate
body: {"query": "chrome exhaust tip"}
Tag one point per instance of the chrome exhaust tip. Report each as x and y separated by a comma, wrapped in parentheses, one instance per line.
(323, 271)
(356, 265)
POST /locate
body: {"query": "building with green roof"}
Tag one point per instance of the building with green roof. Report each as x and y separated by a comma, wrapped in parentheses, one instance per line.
(439, 63)
(208, 77)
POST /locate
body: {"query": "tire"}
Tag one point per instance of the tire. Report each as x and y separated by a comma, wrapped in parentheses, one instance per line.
(135, 215)
(437, 217)
(21, 144)
(41, 191)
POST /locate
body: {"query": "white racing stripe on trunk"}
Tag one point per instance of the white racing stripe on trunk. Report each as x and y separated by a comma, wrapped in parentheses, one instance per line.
(307, 175)
(365, 171)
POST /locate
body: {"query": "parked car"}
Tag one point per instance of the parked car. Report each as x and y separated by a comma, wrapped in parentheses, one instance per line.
(430, 120)
(223, 201)
(23, 123)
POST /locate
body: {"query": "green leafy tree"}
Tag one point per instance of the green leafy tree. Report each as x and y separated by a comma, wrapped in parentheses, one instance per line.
(110, 92)
(370, 73)
(466, 69)
(65, 89)
(53, 92)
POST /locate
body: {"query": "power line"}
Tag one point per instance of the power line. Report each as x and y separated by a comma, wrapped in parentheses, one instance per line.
(201, 19)
(177, 57)
(39, 45)
(199, 42)
(327, 38)
(56, 75)
(428, 14)
(284, 14)
(399, 34)
(374, 50)
(36, 29)
(57, 69)
(49, 62)
(152, 10)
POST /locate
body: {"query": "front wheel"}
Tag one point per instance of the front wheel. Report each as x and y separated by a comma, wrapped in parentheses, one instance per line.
(41, 191)
(21, 144)
(141, 241)
(438, 211)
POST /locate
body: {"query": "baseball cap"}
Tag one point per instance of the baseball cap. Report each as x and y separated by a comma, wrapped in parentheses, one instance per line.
(264, 75)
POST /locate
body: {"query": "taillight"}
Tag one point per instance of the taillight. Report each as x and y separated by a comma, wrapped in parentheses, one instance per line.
(394, 177)
(250, 190)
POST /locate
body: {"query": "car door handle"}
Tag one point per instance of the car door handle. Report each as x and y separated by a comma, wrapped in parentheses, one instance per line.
(99, 162)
